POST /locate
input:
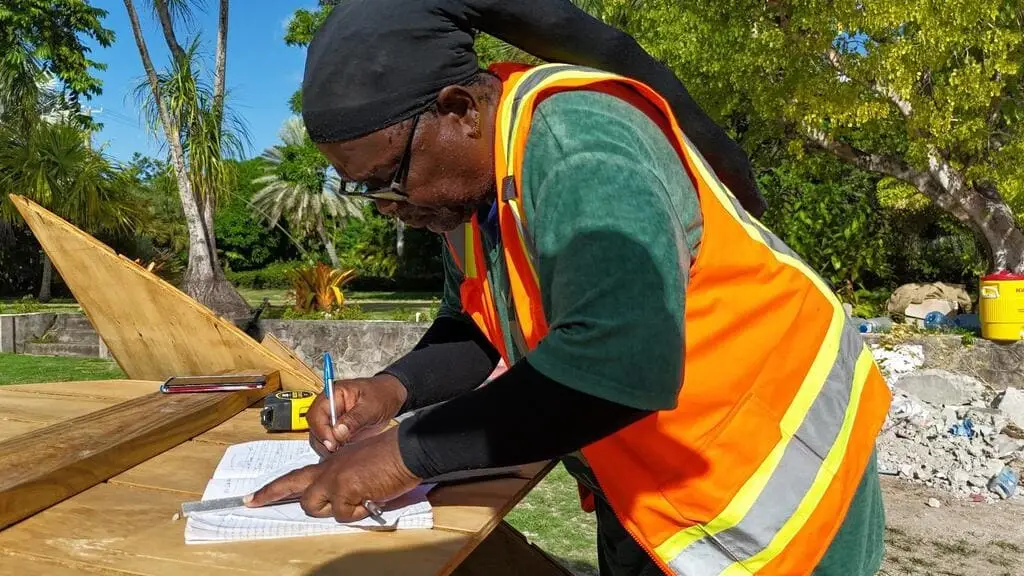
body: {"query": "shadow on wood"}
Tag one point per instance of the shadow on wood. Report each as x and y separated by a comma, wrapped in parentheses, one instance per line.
(152, 329)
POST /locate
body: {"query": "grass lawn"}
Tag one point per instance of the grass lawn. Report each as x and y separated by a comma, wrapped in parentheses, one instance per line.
(24, 369)
(549, 516)
(277, 296)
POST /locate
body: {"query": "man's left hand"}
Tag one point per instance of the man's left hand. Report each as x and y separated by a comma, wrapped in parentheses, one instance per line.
(371, 469)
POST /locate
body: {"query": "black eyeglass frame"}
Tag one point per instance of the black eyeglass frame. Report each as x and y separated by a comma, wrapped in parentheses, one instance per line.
(395, 191)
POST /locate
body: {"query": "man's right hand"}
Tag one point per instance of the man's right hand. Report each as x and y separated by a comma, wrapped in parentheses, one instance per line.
(363, 406)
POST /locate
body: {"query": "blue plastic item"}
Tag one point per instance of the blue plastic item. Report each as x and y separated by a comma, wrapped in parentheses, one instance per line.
(1005, 483)
(936, 321)
(871, 325)
(963, 428)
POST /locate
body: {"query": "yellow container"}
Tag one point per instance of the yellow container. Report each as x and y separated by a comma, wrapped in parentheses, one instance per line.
(1001, 306)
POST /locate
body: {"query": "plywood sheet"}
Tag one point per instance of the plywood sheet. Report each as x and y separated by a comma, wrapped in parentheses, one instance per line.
(506, 552)
(9, 428)
(151, 328)
(43, 409)
(45, 466)
(478, 506)
(186, 469)
(26, 564)
(287, 355)
(97, 389)
(131, 529)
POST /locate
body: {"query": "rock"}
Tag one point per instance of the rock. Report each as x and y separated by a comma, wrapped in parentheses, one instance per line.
(916, 293)
(934, 502)
(1011, 403)
(943, 388)
(900, 360)
(959, 477)
(1014, 431)
(1006, 446)
(907, 470)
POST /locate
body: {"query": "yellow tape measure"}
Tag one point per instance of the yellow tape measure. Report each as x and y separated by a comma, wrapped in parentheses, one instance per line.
(285, 411)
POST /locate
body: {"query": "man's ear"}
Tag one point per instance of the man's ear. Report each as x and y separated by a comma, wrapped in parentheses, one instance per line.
(460, 103)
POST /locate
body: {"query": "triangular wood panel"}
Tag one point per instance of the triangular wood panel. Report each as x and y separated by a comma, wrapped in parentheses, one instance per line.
(152, 329)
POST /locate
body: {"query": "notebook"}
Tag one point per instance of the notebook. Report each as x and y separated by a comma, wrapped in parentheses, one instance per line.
(246, 467)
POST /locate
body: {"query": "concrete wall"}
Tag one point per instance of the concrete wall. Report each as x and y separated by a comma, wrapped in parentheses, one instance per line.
(358, 348)
(17, 329)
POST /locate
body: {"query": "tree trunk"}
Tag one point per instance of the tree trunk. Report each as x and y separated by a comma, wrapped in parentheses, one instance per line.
(46, 283)
(204, 280)
(220, 63)
(981, 208)
(332, 254)
(988, 215)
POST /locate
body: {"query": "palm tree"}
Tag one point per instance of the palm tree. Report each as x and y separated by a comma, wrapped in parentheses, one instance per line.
(300, 186)
(191, 117)
(53, 164)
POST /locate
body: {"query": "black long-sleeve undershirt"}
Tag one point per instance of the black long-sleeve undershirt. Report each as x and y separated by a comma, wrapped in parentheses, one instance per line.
(520, 417)
(452, 358)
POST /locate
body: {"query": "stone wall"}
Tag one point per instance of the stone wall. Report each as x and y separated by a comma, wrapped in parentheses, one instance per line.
(18, 329)
(358, 348)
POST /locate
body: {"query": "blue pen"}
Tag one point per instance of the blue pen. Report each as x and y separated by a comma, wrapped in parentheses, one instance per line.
(371, 507)
(329, 385)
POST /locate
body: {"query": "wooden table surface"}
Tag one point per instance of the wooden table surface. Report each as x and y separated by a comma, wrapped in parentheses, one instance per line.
(126, 525)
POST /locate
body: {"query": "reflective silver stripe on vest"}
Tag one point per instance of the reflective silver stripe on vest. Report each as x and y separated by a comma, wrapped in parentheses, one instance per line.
(792, 478)
(527, 85)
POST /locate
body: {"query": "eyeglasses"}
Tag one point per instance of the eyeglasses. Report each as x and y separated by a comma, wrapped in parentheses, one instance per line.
(395, 191)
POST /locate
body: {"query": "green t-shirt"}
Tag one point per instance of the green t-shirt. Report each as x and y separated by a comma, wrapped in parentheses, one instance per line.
(613, 220)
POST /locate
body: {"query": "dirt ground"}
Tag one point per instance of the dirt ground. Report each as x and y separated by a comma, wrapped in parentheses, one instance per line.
(957, 539)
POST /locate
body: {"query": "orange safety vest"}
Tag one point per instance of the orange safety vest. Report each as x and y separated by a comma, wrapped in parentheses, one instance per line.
(754, 469)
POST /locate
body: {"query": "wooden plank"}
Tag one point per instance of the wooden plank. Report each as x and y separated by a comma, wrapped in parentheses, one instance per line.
(24, 564)
(43, 467)
(131, 529)
(474, 506)
(287, 355)
(46, 409)
(499, 513)
(185, 469)
(243, 428)
(163, 332)
(97, 389)
(10, 428)
(506, 552)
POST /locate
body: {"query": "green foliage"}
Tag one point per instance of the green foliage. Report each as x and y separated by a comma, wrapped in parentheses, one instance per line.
(297, 185)
(826, 212)
(304, 24)
(272, 276)
(244, 242)
(368, 245)
(209, 137)
(40, 39)
(903, 83)
(318, 287)
(53, 164)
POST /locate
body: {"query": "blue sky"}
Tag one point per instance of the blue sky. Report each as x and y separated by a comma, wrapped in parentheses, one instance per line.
(262, 72)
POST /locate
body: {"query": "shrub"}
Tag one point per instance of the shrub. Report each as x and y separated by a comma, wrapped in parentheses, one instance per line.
(273, 276)
(318, 288)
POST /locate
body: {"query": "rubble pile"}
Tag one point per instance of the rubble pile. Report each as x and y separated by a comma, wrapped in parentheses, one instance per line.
(949, 431)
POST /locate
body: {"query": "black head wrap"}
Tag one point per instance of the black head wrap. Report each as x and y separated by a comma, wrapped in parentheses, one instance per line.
(374, 63)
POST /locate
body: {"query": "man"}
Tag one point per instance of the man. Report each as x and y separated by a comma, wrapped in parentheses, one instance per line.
(704, 386)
